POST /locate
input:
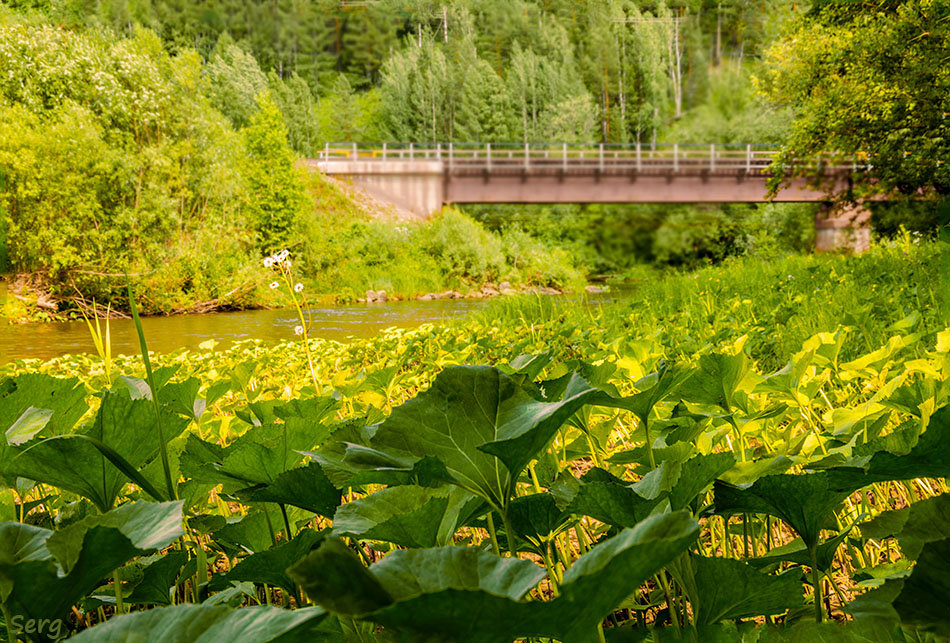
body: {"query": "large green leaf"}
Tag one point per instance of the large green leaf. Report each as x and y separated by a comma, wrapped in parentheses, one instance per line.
(806, 501)
(64, 397)
(723, 588)
(203, 624)
(271, 566)
(481, 424)
(306, 487)
(407, 515)
(123, 425)
(464, 594)
(537, 519)
(614, 503)
(922, 522)
(158, 579)
(698, 474)
(452, 593)
(34, 404)
(260, 455)
(720, 379)
(43, 573)
(922, 602)
(603, 577)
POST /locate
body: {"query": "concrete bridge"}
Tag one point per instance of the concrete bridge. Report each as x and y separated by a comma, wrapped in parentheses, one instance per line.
(421, 178)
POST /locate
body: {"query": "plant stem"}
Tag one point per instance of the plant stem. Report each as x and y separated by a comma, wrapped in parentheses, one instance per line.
(552, 571)
(117, 586)
(816, 580)
(509, 535)
(671, 607)
(8, 621)
(163, 448)
(283, 510)
(491, 534)
(649, 443)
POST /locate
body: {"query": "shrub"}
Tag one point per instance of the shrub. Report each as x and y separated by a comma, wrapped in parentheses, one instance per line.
(537, 264)
(462, 248)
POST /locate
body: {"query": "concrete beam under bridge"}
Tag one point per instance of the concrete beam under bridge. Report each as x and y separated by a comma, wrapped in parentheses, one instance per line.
(642, 188)
(423, 186)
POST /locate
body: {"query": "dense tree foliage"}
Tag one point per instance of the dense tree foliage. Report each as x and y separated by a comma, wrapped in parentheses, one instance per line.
(158, 137)
(464, 70)
(116, 162)
(871, 79)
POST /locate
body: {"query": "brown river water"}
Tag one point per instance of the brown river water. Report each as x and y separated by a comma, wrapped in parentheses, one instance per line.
(165, 334)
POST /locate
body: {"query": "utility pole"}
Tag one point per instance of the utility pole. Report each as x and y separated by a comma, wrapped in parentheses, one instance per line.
(719, 35)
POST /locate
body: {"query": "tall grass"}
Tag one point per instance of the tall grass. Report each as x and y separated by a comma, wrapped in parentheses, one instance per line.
(779, 303)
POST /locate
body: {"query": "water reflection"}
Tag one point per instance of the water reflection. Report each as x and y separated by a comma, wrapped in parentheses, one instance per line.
(165, 334)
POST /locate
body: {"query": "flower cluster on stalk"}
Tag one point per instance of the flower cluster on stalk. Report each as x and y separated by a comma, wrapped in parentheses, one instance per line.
(280, 262)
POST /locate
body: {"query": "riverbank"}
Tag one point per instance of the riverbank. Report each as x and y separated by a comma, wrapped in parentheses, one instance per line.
(340, 250)
(778, 304)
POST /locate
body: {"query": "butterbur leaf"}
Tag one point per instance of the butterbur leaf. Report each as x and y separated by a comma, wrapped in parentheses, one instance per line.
(923, 521)
(877, 605)
(922, 602)
(603, 577)
(158, 579)
(43, 572)
(806, 501)
(528, 367)
(658, 481)
(62, 401)
(481, 424)
(610, 502)
(727, 589)
(443, 592)
(696, 475)
(652, 389)
(536, 518)
(147, 526)
(271, 566)
(306, 487)
(406, 515)
(720, 377)
(264, 452)
(797, 552)
(258, 624)
(248, 534)
(29, 424)
(335, 579)
(928, 520)
(123, 425)
(64, 397)
(456, 594)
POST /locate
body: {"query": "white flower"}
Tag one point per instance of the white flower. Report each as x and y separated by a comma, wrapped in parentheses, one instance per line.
(268, 262)
(287, 263)
(298, 330)
(274, 284)
(298, 287)
(282, 255)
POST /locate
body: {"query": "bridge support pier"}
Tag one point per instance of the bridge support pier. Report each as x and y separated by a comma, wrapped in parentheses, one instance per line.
(843, 228)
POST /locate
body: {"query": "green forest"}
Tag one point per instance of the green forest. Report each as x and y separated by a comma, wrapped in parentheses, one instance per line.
(159, 140)
(222, 419)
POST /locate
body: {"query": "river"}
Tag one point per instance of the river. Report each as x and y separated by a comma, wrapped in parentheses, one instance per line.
(166, 334)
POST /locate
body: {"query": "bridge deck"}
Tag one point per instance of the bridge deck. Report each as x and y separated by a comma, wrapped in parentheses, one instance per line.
(422, 178)
(545, 158)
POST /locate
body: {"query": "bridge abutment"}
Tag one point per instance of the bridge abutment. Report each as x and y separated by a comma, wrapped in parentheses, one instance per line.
(843, 228)
(416, 187)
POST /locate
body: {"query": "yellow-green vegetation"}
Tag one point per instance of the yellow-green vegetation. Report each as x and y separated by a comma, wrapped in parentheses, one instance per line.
(116, 164)
(698, 460)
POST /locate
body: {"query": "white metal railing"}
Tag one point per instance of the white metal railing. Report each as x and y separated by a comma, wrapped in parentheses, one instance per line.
(583, 158)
